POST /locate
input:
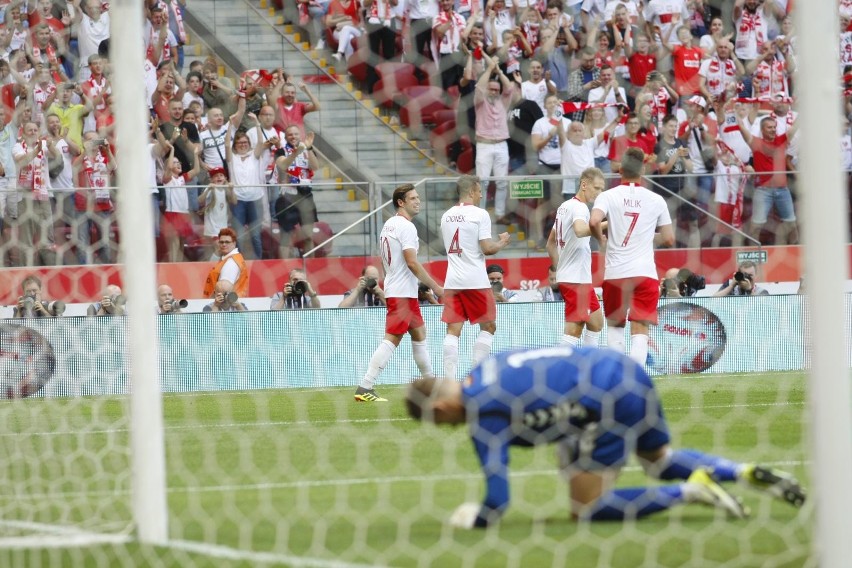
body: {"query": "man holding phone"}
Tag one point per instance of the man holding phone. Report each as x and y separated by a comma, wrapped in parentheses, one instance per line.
(673, 162)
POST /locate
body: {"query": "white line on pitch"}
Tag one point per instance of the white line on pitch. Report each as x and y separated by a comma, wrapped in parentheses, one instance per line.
(219, 551)
(272, 423)
(337, 482)
(60, 536)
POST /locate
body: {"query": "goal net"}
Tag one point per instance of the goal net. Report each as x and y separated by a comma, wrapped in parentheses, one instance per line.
(270, 460)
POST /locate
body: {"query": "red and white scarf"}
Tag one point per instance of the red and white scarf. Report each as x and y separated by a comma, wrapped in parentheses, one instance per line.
(97, 175)
(179, 21)
(737, 199)
(33, 176)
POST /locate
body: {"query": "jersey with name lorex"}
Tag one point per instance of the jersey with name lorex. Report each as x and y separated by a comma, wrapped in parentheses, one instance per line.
(398, 234)
(633, 213)
(462, 227)
(575, 255)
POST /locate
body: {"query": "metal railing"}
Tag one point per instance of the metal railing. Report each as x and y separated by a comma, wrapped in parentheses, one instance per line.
(358, 213)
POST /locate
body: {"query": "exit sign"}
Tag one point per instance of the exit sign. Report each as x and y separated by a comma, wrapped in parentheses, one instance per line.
(758, 256)
(526, 189)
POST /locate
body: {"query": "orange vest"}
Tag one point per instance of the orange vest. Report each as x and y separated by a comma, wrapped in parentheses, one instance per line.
(240, 286)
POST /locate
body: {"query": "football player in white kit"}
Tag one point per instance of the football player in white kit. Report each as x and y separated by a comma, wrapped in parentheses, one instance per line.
(399, 244)
(466, 230)
(631, 288)
(569, 251)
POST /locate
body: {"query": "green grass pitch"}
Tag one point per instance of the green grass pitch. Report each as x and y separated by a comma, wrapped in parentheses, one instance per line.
(311, 478)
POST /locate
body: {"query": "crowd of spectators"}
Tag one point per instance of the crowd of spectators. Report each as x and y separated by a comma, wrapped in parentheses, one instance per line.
(548, 87)
(220, 154)
(621, 73)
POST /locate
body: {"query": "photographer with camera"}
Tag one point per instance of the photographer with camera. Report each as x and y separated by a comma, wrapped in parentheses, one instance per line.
(681, 283)
(32, 305)
(297, 293)
(425, 295)
(368, 292)
(231, 266)
(112, 303)
(495, 277)
(742, 282)
(225, 299)
(166, 303)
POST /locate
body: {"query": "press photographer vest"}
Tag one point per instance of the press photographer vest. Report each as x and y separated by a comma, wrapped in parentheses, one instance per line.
(240, 286)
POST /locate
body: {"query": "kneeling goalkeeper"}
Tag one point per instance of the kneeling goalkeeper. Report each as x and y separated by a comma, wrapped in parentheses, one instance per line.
(598, 406)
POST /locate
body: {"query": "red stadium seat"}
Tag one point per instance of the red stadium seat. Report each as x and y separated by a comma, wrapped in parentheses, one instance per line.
(357, 64)
(442, 136)
(421, 106)
(386, 88)
(443, 116)
(321, 233)
(396, 68)
(465, 162)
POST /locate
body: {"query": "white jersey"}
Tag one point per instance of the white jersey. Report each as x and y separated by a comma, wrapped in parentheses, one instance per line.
(550, 154)
(398, 234)
(665, 14)
(462, 227)
(575, 255)
(216, 211)
(634, 213)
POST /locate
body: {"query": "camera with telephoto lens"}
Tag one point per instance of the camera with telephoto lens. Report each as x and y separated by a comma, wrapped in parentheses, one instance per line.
(231, 298)
(179, 304)
(298, 288)
(497, 287)
(668, 287)
(54, 308)
(740, 276)
(370, 283)
(689, 283)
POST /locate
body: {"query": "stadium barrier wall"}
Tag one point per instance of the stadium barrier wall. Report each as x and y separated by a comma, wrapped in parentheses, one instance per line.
(331, 347)
(335, 275)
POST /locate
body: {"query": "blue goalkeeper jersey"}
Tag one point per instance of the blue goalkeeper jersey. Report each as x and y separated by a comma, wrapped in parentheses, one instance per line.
(540, 396)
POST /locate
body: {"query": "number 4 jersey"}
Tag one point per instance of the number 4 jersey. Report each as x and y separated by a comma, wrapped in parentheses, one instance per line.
(462, 227)
(634, 213)
(575, 255)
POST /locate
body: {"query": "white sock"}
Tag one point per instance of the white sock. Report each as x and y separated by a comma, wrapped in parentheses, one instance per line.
(451, 356)
(615, 338)
(639, 348)
(380, 358)
(482, 347)
(591, 338)
(569, 340)
(421, 357)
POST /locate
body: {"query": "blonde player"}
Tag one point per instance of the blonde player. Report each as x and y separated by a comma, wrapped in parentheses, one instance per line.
(399, 244)
(630, 288)
(568, 247)
(466, 230)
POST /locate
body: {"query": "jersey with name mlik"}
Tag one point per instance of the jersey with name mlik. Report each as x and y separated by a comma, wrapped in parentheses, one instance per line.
(398, 234)
(575, 255)
(462, 227)
(634, 213)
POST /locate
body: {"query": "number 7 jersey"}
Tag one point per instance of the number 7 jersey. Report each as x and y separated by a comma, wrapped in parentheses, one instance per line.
(634, 213)
(462, 227)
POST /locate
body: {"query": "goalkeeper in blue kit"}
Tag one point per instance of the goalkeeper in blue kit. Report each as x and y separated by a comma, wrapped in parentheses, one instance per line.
(598, 406)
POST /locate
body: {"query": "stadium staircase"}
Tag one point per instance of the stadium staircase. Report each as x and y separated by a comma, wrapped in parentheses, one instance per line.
(358, 137)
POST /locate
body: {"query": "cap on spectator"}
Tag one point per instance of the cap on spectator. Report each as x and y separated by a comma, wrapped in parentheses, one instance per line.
(216, 171)
(698, 100)
(494, 268)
